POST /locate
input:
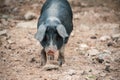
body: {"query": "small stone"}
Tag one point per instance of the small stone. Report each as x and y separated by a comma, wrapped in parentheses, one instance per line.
(3, 32)
(110, 44)
(49, 67)
(4, 22)
(71, 72)
(76, 16)
(91, 77)
(84, 27)
(29, 15)
(76, 3)
(10, 41)
(72, 34)
(104, 56)
(29, 24)
(84, 73)
(105, 38)
(93, 52)
(115, 36)
(83, 46)
(90, 70)
(35, 5)
(102, 74)
(93, 37)
(84, 4)
(100, 60)
(5, 16)
(15, 9)
(107, 68)
(32, 60)
(107, 51)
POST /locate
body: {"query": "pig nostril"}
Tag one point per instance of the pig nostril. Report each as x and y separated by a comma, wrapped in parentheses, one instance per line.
(50, 51)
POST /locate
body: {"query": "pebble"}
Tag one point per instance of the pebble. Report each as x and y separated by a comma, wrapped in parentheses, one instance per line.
(115, 36)
(93, 52)
(110, 44)
(49, 67)
(71, 72)
(76, 3)
(29, 24)
(72, 34)
(103, 74)
(15, 9)
(5, 16)
(3, 32)
(83, 46)
(4, 22)
(35, 5)
(76, 16)
(107, 68)
(104, 56)
(84, 4)
(105, 38)
(10, 41)
(29, 15)
(84, 73)
(115, 42)
(85, 27)
(32, 60)
(68, 77)
(93, 37)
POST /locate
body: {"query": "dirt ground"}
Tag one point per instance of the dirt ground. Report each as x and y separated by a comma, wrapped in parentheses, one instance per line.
(92, 53)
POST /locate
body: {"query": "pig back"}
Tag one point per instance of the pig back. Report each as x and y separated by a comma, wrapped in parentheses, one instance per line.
(60, 9)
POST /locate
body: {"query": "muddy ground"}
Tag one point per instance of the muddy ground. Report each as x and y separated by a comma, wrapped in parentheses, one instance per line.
(92, 53)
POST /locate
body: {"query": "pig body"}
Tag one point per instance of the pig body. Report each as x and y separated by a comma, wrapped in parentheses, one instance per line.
(54, 28)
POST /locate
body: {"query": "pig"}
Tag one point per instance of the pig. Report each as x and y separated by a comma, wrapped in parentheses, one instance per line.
(54, 28)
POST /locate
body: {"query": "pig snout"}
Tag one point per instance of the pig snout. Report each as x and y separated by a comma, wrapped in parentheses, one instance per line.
(50, 50)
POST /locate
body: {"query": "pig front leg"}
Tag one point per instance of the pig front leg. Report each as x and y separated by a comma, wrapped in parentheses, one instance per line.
(50, 57)
(61, 59)
(43, 57)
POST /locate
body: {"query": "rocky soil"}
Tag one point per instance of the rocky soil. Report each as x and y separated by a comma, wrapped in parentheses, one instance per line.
(92, 53)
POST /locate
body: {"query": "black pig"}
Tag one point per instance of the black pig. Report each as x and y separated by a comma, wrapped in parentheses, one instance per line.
(54, 28)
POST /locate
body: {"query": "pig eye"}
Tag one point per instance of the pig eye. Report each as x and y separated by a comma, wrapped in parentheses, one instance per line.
(57, 38)
(45, 38)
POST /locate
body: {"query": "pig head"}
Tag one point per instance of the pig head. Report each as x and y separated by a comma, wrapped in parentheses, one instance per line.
(52, 35)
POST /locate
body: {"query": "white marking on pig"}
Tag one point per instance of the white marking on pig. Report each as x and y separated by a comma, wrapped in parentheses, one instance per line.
(53, 19)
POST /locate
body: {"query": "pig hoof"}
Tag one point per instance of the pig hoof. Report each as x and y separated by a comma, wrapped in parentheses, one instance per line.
(60, 62)
(42, 63)
(51, 57)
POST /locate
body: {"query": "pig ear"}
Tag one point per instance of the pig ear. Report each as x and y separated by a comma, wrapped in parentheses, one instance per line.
(40, 32)
(62, 31)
